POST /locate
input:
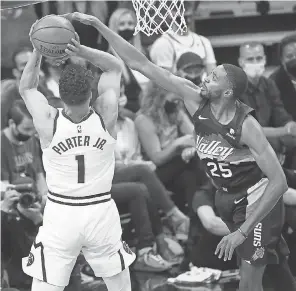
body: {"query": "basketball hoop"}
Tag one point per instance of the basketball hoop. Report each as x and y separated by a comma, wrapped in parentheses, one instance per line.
(159, 16)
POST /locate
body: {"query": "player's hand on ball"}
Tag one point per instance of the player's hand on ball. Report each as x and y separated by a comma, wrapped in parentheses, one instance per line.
(74, 48)
(228, 244)
(30, 33)
(83, 18)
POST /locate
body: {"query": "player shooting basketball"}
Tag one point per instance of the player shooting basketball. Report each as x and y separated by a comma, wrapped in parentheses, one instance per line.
(236, 154)
(78, 157)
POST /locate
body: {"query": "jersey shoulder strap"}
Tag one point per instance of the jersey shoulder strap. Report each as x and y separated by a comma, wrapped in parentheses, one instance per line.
(243, 111)
(200, 109)
(101, 118)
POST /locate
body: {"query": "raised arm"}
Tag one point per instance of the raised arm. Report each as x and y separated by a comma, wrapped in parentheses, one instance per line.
(36, 102)
(109, 85)
(137, 61)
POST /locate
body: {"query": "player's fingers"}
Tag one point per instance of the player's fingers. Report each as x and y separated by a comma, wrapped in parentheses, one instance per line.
(219, 246)
(72, 48)
(222, 250)
(230, 253)
(226, 251)
(77, 37)
(75, 42)
(69, 52)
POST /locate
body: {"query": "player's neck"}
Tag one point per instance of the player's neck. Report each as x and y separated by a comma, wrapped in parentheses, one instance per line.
(76, 113)
(223, 110)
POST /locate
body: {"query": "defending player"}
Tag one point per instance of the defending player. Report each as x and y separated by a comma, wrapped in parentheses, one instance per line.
(249, 179)
(78, 156)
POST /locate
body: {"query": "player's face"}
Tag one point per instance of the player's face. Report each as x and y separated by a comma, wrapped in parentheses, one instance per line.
(215, 84)
(23, 131)
(289, 59)
(126, 26)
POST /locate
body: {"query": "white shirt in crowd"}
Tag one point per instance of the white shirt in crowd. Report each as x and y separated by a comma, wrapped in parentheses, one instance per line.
(167, 49)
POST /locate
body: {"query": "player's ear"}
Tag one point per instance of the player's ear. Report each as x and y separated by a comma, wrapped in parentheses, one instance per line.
(228, 93)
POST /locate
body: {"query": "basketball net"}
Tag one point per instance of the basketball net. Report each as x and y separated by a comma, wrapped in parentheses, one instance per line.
(156, 16)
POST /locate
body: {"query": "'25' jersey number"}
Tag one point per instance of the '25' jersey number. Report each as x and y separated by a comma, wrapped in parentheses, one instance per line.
(219, 170)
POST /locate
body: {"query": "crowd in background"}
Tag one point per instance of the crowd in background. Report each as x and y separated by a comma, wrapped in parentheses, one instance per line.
(159, 183)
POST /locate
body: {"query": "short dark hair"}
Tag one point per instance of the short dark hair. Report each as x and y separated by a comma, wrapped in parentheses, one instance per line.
(251, 44)
(18, 111)
(237, 79)
(21, 49)
(75, 84)
(285, 41)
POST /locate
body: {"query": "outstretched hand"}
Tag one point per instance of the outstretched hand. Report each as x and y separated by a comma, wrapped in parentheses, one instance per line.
(74, 47)
(228, 244)
(81, 17)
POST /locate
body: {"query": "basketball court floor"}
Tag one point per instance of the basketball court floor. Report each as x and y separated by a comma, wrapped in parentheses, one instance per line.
(142, 281)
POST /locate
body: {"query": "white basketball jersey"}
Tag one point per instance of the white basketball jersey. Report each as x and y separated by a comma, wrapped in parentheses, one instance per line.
(80, 159)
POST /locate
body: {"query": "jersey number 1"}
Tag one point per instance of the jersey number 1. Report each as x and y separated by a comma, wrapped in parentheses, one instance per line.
(81, 168)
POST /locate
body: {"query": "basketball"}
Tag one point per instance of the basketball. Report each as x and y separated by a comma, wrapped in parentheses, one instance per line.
(51, 34)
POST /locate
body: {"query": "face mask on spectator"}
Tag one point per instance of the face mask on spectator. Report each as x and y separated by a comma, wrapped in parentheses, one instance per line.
(254, 70)
(291, 67)
(127, 34)
(170, 107)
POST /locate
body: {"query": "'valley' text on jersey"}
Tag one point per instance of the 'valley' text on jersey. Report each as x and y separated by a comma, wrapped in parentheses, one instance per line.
(229, 164)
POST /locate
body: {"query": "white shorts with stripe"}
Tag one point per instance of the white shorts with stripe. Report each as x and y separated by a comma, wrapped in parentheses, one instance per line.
(92, 225)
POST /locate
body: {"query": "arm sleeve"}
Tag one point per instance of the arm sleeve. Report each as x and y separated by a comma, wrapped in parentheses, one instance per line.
(279, 114)
(210, 56)
(162, 53)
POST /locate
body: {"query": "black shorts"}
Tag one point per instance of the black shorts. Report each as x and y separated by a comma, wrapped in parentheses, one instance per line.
(265, 243)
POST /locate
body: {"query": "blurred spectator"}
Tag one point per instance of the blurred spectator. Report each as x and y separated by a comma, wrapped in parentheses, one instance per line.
(20, 152)
(89, 36)
(208, 231)
(263, 95)
(10, 87)
(190, 66)
(147, 223)
(123, 22)
(132, 168)
(15, 27)
(167, 49)
(285, 79)
(165, 132)
(285, 75)
(19, 227)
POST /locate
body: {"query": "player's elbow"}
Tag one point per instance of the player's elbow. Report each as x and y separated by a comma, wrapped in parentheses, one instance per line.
(117, 66)
(281, 183)
(209, 223)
